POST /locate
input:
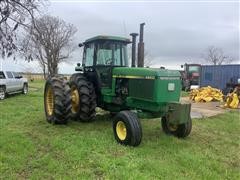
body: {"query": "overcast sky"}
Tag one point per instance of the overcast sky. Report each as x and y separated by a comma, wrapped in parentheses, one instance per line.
(175, 32)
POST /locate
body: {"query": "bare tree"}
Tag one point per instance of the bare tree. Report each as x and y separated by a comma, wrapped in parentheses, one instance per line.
(15, 14)
(216, 56)
(49, 42)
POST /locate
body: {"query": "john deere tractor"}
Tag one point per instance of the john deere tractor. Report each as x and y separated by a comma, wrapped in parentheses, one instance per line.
(105, 80)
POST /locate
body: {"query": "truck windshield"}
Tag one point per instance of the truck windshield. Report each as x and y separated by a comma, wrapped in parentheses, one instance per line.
(109, 53)
(194, 69)
(2, 76)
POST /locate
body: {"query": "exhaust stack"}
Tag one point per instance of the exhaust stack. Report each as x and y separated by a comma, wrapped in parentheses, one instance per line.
(141, 47)
(134, 36)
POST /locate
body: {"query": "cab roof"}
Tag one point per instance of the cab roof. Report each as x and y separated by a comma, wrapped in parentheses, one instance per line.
(111, 38)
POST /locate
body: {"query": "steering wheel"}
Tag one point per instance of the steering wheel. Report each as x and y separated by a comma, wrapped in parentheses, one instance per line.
(109, 61)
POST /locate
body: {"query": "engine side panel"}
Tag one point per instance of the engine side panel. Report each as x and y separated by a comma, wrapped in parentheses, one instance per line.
(146, 89)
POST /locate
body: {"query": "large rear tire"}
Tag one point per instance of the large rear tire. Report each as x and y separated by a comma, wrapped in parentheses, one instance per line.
(181, 130)
(83, 98)
(57, 100)
(127, 128)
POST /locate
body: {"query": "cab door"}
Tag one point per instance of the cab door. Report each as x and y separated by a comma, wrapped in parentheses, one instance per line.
(17, 81)
(104, 62)
(104, 74)
(10, 82)
(109, 54)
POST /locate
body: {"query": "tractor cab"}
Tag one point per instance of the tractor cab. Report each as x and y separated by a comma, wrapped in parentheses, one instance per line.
(100, 55)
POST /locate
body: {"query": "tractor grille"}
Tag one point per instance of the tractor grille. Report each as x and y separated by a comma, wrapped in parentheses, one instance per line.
(141, 88)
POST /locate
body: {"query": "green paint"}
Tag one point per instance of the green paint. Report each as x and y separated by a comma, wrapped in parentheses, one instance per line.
(145, 72)
(156, 91)
(179, 113)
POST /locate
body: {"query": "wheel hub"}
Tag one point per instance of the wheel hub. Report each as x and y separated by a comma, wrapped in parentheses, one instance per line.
(49, 102)
(75, 99)
(25, 89)
(2, 94)
(172, 127)
(121, 130)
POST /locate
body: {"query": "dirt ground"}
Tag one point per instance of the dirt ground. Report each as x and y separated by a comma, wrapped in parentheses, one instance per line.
(201, 110)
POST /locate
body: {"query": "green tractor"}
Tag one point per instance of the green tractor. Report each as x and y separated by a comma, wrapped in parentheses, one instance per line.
(105, 80)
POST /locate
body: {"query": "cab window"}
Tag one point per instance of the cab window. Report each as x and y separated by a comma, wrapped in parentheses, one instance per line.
(88, 55)
(124, 55)
(15, 74)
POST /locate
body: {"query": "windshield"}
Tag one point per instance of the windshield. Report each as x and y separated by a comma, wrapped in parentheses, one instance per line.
(194, 69)
(106, 53)
(110, 53)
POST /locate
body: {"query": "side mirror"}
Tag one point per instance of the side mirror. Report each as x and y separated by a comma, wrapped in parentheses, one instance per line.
(80, 44)
(181, 66)
(78, 67)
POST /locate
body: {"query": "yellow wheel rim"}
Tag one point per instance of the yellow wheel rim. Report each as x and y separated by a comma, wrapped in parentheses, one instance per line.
(121, 130)
(49, 101)
(172, 127)
(75, 99)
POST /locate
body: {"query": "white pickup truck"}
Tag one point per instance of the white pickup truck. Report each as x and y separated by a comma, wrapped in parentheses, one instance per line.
(12, 82)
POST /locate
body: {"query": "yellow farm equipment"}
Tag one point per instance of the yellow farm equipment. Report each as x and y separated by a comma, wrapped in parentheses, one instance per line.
(232, 99)
(206, 94)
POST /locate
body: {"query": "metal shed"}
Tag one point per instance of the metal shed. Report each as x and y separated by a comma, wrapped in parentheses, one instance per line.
(218, 75)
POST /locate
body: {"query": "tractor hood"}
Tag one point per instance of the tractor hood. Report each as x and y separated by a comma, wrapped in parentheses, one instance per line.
(144, 73)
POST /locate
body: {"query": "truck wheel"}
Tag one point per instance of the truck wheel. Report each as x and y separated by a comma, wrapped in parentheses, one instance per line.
(57, 100)
(127, 128)
(25, 88)
(83, 98)
(2, 93)
(181, 130)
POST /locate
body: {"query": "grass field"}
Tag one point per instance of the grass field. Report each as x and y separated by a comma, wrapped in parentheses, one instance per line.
(30, 148)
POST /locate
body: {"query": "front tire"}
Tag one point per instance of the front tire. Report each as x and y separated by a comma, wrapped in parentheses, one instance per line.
(83, 98)
(127, 128)
(180, 130)
(57, 100)
(2, 93)
(25, 88)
